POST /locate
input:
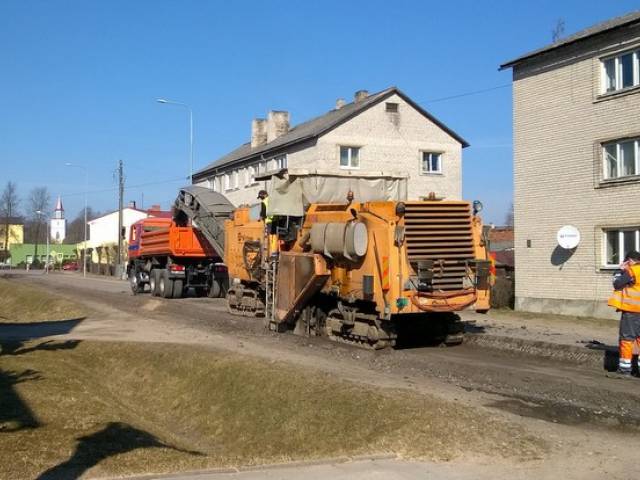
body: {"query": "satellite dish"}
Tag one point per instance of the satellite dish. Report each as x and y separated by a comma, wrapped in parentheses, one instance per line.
(568, 237)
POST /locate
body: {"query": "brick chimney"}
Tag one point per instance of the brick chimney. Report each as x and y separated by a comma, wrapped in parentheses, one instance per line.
(258, 132)
(340, 103)
(360, 95)
(277, 124)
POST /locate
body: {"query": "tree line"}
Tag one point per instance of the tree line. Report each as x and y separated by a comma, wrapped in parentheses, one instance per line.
(34, 212)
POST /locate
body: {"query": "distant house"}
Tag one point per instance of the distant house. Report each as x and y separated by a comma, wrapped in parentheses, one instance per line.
(101, 247)
(576, 117)
(15, 236)
(24, 254)
(386, 131)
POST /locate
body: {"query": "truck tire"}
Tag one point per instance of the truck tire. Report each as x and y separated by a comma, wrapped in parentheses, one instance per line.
(178, 288)
(215, 289)
(134, 281)
(154, 280)
(165, 285)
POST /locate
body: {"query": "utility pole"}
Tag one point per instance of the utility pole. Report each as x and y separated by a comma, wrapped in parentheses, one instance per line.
(119, 269)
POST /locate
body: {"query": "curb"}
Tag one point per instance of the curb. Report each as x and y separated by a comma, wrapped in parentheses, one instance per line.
(267, 466)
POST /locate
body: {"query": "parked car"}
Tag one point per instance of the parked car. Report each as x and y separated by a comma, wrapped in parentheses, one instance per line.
(70, 266)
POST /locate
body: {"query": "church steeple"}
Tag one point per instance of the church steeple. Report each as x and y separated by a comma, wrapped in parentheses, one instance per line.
(59, 211)
(58, 230)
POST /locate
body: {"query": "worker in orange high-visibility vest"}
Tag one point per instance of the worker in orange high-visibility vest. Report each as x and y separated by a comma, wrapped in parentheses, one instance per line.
(626, 299)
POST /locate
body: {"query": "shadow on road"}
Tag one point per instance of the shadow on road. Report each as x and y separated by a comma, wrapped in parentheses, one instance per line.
(611, 356)
(15, 413)
(113, 439)
(31, 331)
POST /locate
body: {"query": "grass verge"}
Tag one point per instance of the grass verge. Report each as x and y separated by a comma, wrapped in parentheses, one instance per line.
(25, 304)
(124, 408)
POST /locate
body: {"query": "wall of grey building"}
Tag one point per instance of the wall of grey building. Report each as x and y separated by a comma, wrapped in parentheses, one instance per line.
(560, 121)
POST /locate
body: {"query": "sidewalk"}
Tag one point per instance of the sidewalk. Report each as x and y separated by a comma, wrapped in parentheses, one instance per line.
(557, 336)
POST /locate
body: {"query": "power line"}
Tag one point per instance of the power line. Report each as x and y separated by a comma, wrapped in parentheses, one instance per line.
(130, 187)
(467, 94)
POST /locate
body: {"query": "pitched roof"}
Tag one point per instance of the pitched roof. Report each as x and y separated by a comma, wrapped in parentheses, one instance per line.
(318, 126)
(12, 221)
(597, 29)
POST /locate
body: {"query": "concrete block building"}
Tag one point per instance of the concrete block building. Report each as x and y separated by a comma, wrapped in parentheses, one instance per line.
(576, 106)
(385, 131)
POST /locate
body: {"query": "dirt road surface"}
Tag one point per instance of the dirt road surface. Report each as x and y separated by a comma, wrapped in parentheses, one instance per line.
(590, 422)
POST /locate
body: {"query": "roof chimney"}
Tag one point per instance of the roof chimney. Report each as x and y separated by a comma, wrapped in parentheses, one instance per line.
(277, 124)
(340, 103)
(361, 95)
(258, 132)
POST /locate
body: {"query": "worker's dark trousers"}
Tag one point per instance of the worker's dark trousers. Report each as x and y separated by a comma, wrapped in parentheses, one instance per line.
(629, 334)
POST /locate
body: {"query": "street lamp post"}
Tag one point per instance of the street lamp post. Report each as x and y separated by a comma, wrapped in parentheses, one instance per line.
(86, 189)
(170, 102)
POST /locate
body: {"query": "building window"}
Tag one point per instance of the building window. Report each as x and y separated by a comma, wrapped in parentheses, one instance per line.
(235, 178)
(619, 242)
(280, 162)
(431, 163)
(251, 175)
(262, 168)
(349, 157)
(621, 71)
(621, 159)
(391, 107)
(227, 181)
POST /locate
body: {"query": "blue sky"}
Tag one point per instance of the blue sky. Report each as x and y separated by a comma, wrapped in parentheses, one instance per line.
(79, 79)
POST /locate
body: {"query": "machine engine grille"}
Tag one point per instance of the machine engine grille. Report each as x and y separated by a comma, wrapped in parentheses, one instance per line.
(440, 231)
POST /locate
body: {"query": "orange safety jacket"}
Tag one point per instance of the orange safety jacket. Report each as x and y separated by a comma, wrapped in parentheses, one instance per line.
(628, 299)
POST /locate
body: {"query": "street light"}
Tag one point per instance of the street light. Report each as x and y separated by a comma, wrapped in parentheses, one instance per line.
(40, 213)
(169, 102)
(86, 188)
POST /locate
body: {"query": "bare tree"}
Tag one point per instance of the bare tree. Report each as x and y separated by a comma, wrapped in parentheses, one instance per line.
(508, 219)
(558, 31)
(39, 204)
(9, 202)
(75, 229)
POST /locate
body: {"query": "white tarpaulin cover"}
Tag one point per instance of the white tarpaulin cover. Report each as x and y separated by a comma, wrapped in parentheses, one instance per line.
(292, 191)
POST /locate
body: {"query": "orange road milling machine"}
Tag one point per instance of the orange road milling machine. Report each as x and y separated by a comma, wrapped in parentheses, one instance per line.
(346, 256)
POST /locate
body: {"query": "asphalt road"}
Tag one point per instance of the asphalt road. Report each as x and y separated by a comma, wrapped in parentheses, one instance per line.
(559, 391)
(568, 402)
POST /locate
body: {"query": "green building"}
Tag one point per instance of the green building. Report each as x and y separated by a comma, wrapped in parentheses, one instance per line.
(23, 253)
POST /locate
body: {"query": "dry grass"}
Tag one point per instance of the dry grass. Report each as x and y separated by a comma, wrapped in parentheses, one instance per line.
(118, 408)
(25, 304)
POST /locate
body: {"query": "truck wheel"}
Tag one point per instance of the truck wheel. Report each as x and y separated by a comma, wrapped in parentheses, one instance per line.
(154, 281)
(165, 285)
(214, 289)
(178, 287)
(134, 280)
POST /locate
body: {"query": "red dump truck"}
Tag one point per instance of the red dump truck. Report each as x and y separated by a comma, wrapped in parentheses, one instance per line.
(172, 259)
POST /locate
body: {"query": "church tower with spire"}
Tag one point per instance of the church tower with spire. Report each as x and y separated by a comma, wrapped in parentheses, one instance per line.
(58, 223)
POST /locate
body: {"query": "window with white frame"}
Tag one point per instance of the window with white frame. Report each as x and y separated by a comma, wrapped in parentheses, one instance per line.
(619, 242)
(621, 158)
(251, 175)
(280, 162)
(211, 183)
(235, 179)
(349, 157)
(431, 162)
(262, 167)
(621, 71)
(227, 181)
